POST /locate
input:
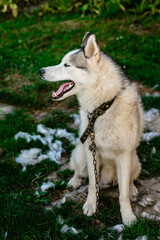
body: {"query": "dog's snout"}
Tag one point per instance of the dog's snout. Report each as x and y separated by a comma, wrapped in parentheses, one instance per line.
(41, 71)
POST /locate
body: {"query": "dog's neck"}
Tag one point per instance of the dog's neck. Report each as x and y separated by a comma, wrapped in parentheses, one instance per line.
(108, 84)
(90, 103)
(94, 96)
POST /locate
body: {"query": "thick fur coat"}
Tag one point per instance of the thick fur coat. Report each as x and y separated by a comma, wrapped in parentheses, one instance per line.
(95, 78)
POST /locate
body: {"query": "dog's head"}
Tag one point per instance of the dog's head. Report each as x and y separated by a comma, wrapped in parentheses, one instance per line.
(78, 68)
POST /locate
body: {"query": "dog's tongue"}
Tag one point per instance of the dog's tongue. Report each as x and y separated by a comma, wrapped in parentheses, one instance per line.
(65, 86)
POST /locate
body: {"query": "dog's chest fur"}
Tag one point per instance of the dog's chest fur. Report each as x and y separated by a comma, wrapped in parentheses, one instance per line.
(117, 129)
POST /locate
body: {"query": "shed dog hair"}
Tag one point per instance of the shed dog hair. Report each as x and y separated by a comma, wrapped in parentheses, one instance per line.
(95, 78)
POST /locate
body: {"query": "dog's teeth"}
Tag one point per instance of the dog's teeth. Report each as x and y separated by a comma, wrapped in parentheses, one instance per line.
(68, 87)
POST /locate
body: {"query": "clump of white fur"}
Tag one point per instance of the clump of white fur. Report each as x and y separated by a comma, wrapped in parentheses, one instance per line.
(35, 155)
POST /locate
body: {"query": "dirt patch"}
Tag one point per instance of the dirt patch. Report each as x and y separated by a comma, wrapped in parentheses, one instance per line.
(148, 200)
(146, 204)
(146, 91)
(15, 81)
(5, 109)
(71, 24)
(136, 27)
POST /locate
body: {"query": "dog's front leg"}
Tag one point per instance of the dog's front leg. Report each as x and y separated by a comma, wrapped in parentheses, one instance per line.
(89, 208)
(78, 165)
(123, 163)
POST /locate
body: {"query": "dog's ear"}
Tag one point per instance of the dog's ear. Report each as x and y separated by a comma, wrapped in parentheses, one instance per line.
(90, 46)
(85, 39)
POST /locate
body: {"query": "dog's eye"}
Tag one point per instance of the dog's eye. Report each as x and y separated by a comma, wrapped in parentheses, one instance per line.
(66, 65)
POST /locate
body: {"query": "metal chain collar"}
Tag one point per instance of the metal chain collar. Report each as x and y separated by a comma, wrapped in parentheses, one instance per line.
(92, 148)
(94, 115)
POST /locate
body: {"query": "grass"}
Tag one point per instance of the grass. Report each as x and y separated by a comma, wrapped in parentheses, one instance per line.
(43, 41)
(27, 44)
(150, 159)
(151, 102)
(23, 215)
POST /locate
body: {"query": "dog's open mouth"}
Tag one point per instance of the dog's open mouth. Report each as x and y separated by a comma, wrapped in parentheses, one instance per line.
(64, 88)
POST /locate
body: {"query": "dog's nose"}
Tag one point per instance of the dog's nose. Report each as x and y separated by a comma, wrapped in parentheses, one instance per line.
(41, 71)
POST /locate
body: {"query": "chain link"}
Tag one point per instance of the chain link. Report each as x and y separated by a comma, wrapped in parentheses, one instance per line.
(90, 131)
(92, 148)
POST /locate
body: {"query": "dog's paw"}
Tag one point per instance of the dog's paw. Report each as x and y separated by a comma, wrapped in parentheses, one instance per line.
(89, 208)
(75, 183)
(129, 219)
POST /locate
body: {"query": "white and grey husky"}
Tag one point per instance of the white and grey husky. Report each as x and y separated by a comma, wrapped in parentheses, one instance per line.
(95, 78)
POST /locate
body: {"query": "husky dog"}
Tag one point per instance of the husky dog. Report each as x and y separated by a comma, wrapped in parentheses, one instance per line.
(95, 78)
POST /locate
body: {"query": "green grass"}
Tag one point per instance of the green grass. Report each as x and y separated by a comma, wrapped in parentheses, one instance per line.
(30, 43)
(151, 102)
(23, 214)
(150, 160)
(26, 45)
(151, 230)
